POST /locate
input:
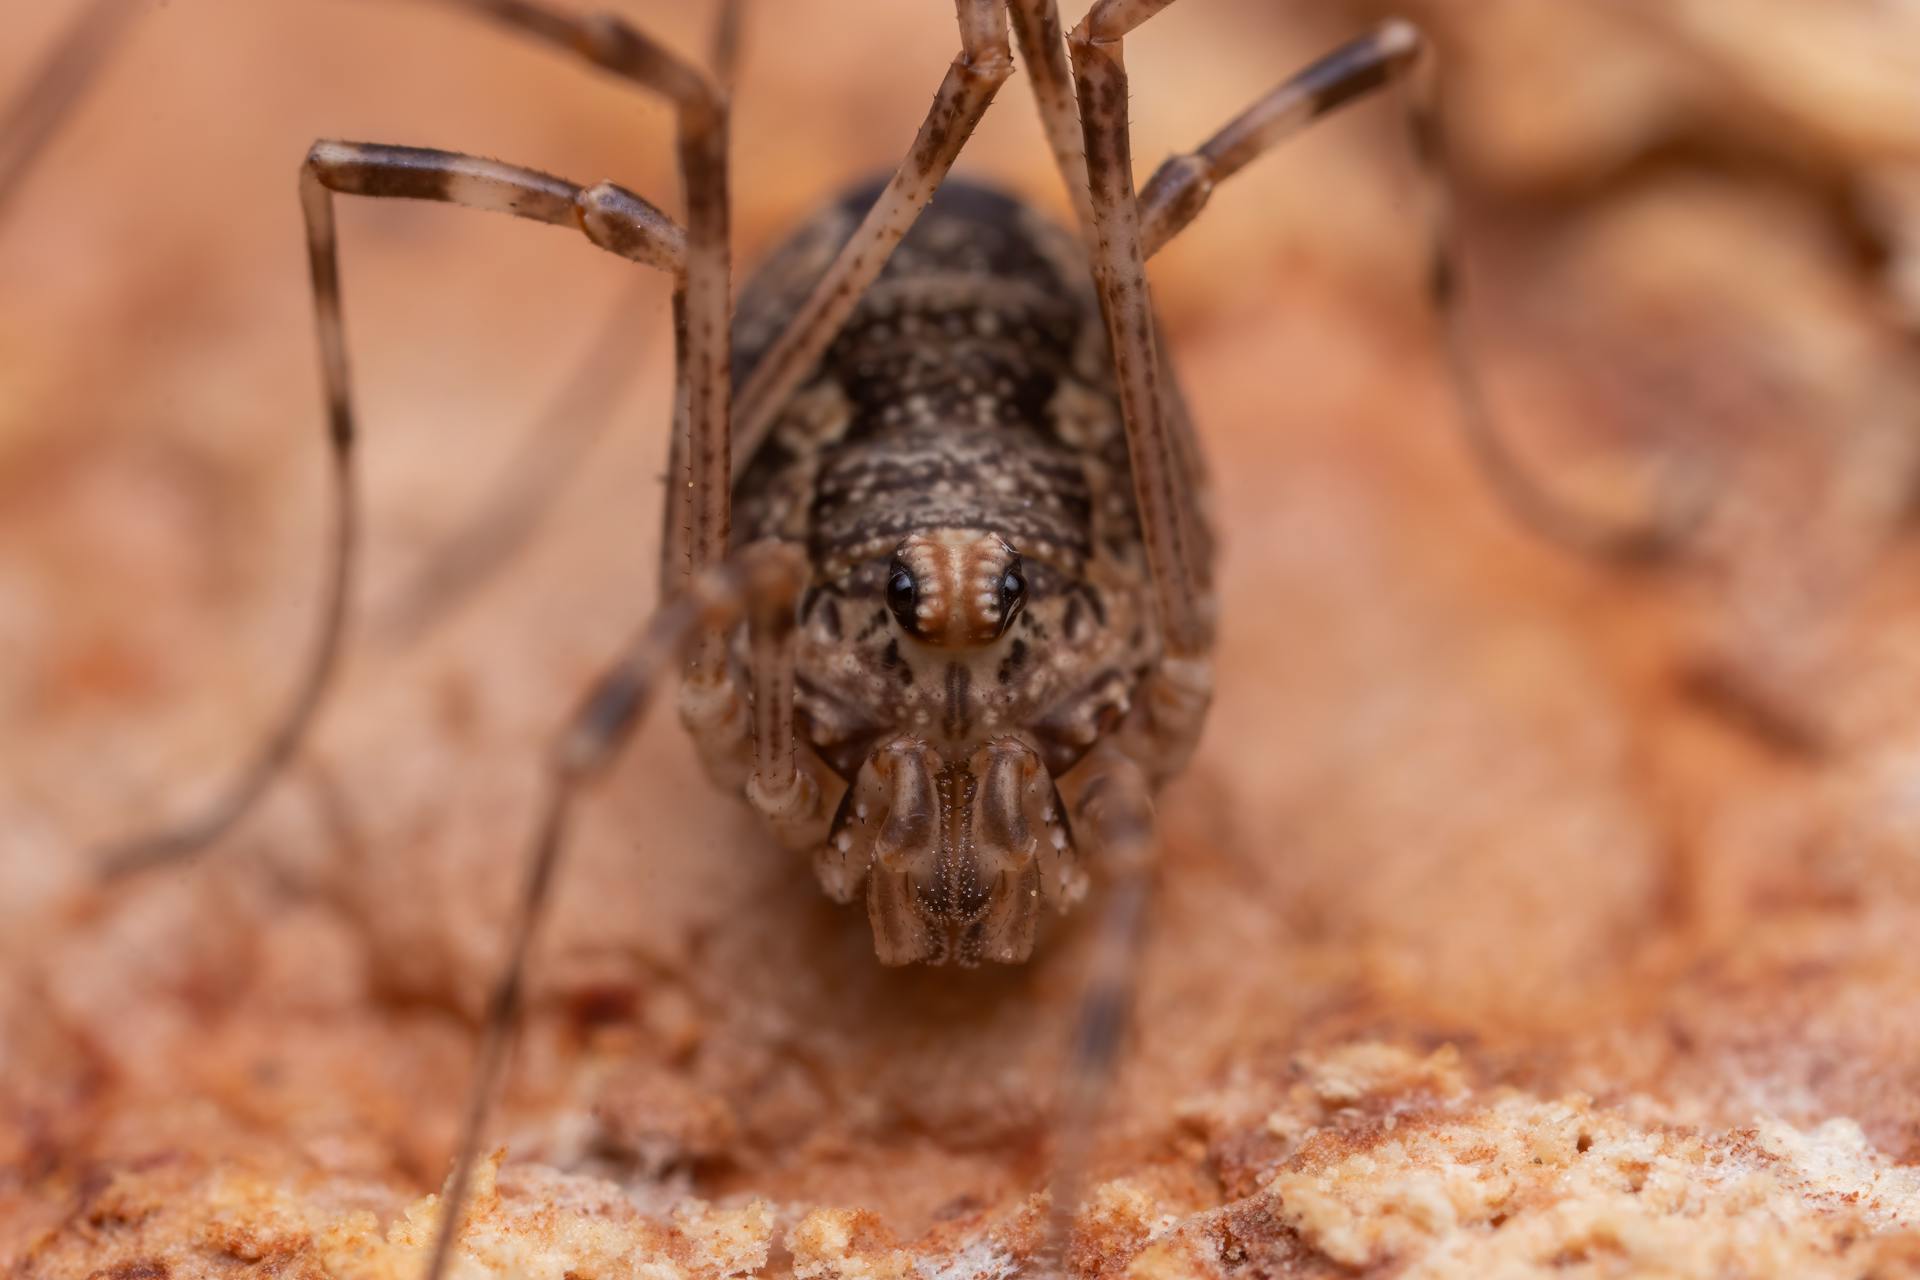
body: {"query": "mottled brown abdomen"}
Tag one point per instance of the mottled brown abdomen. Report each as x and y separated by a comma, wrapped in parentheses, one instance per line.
(970, 389)
(978, 607)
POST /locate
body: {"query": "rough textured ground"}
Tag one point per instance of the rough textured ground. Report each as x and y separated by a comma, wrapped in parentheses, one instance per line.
(1519, 916)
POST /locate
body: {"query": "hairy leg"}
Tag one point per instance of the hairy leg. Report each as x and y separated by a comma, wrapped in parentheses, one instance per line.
(1043, 51)
(1163, 485)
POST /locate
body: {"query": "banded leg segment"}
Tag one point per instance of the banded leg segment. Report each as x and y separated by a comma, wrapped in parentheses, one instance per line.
(1169, 519)
(704, 490)
(983, 64)
(613, 218)
(711, 601)
(1113, 824)
(1395, 51)
(1180, 187)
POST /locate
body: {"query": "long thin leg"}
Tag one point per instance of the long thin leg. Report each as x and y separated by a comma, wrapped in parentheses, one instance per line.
(1168, 520)
(1036, 25)
(728, 25)
(1043, 49)
(1683, 495)
(615, 219)
(1179, 188)
(699, 460)
(1182, 185)
(711, 601)
(494, 534)
(704, 312)
(36, 114)
(1112, 815)
(290, 728)
(983, 64)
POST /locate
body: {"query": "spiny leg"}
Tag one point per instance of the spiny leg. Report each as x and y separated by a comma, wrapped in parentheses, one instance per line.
(710, 602)
(1043, 50)
(1112, 822)
(615, 219)
(983, 64)
(64, 75)
(1036, 25)
(1169, 520)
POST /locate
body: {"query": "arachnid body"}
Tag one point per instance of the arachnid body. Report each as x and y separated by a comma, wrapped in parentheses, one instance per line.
(936, 551)
(977, 615)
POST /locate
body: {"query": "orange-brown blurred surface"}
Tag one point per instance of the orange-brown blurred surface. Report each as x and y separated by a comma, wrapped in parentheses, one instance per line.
(1518, 915)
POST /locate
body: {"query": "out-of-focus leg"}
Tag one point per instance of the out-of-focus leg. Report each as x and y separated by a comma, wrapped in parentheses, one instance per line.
(711, 601)
(528, 488)
(1684, 490)
(617, 220)
(1113, 826)
(56, 88)
(1395, 52)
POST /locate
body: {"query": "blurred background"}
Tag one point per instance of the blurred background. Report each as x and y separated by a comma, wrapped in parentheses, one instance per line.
(1629, 833)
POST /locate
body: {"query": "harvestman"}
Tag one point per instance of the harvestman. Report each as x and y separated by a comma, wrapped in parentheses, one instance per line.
(960, 630)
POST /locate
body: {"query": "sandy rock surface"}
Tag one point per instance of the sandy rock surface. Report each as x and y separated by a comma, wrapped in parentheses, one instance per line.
(1519, 916)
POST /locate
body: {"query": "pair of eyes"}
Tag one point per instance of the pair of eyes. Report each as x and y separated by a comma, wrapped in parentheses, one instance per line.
(903, 596)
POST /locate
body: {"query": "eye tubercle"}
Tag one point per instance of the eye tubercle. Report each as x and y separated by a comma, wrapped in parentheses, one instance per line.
(955, 587)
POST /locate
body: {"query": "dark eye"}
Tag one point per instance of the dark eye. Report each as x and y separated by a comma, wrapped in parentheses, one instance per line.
(901, 597)
(1013, 594)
